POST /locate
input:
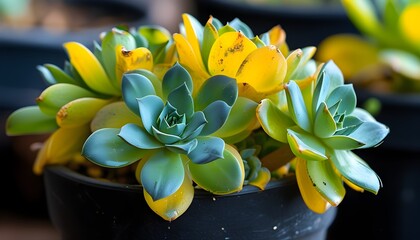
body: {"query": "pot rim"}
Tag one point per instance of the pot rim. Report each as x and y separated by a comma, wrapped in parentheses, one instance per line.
(71, 175)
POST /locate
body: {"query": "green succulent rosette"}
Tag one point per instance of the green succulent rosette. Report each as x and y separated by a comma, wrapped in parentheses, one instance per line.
(322, 124)
(173, 141)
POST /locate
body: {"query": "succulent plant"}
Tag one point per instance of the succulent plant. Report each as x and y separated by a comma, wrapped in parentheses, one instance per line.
(173, 138)
(88, 82)
(387, 57)
(321, 125)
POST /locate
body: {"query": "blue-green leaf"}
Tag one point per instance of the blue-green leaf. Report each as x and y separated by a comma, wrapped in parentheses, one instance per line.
(138, 137)
(175, 77)
(216, 114)
(105, 148)
(241, 26)
(321, 91)
(217, 88)
(181, 99)
(162, 174)
(324, 124)
(343, 142)
(334, 74)
(356, 171)
(150, 108)
(135, 86)
(207, 150)
(165, 138)
(183, 147)
(194, 126)
(306, 146)
(370, 133)
(297, 107)
(346, 95)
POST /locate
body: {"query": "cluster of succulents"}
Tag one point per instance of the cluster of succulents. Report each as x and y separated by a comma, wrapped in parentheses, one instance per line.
(387, 56)
(213, 107)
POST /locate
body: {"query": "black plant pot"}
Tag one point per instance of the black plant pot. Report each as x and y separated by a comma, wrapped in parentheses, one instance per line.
(304, 25)
(85, 208)
(393, 214)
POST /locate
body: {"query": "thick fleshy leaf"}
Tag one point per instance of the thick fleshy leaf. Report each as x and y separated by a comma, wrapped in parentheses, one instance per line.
(181, 99)
(274, 121)
(194, 126)
(228, 53)
(293, 61)
(165, 138)
(194, 33)
(242, 27)
(343, 142)
(209, 37)
(321, 91)
(370, 133)
(135, 86)
(241, 117)
(113, 39)
(157, 38)
(221, 176)
(105, 148)
(297, 107)
(173, 206)
(189, 59)
(175, 77)
(139, 137)
(207, 150)
(310, 194)
(150, 108)
(54, 97)
(139, 58)
(162, 174)
(183, 147)
(113, 115)
(63, 146)
(326, 181)
(53, 74)
(264, 69)
(263, 177)
(216, 114)
(356, 171)
(324, 124)
(156, 82)
(29, 120)
(217, 88)
(89, 68)
(333, 72)
(79, 112)
(346, 95)
(306, 146)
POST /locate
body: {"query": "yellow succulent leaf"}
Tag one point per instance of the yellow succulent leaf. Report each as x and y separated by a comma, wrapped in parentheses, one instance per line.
(312, 198)
(63, 146)
(228, 54)
(189, 60)
(113, 115)
(409, 20)
(262, 179)
(173, 206)
(351, 53)
(352, 185)
(264, 69)
(79, 112)
(192, 37)
(89, 68)
(139, 58)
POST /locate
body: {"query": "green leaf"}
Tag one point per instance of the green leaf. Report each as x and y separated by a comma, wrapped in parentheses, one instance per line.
(216, 115)
(54, 97)
(209, 37)
(217, 88)
(326, 181)
(297, 107)
(362, 13)
(370, 133)
(293, 61)
(138, 137)
(207, 150)
(221, 176)
(150, 108)
(346, 95)
(162, 174)
(79, 112)
(157, 38)
(135, 86)
(342, 142)
(29, 120)
(114, 38)
(356, 171)
(324, 124)
(274, 121)
(59, 75)
(181, 99)
(306, 146)
(175, 77)
(105, 148)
